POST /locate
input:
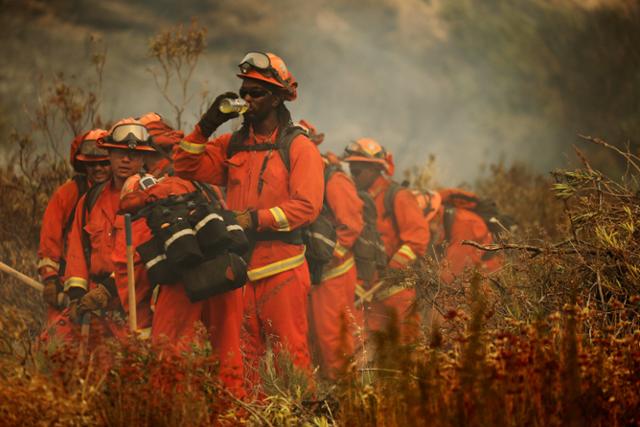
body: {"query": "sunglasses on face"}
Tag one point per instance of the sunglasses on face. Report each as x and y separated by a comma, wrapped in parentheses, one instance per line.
(254, 93)
(103, 163)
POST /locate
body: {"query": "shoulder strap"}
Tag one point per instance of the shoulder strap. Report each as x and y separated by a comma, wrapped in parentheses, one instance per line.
(81, 183)
(447, 222)
(389, 202)
(89, 203)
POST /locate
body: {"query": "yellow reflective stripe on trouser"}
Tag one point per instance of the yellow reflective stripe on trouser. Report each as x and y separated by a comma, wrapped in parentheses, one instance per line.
(388, 292)
(281, 219)
(276, 267)
(48, 262)
(360, 291)
(339, 270)
(340, 250)
(191, 147)
(404, 255)
(75, 282)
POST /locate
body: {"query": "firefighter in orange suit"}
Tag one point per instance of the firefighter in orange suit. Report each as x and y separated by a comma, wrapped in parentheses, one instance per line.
(92, 167)
(174, 316)
(403, 229)
(89, 276)
(275, 185)
(332, 301)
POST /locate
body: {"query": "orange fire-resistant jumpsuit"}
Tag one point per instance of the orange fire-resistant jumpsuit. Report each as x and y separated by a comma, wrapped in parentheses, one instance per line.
(175, 316)
(56, 224)
(275, 298)
(403, 245)
(464, 225)
(332, 301)
(101, 226)
(52, 245)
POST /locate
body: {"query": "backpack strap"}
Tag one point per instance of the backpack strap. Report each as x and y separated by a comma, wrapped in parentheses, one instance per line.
(389, 201)
(89, 202)
(283, 146)
(81, 183)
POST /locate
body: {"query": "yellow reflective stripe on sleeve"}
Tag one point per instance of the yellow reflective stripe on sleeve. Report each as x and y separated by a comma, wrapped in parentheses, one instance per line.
(388, 292)
(276, 267)
(408, 252)
(75, 282)
(192, 148)
(340, 250)
(281, 219)
(360, 291)
(339, 270)
(48, 262)
(404, 255)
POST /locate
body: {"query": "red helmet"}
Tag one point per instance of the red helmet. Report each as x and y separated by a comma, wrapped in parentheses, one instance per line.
(128, 134)
(368, 150)
(314, 136)
(163, 134)
(84, 149)
(269, 68)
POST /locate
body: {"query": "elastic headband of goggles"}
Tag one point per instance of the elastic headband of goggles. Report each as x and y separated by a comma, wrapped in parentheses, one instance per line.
(261, 62)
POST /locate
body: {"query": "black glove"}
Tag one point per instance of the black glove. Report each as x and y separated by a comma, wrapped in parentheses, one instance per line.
(213, 118)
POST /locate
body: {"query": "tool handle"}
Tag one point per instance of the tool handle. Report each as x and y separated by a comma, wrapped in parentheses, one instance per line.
(131, 278)
(21, 277)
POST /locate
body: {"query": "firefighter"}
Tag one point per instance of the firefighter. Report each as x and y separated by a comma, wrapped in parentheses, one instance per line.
(164, 138)
(92, 167)
(89, 275)
(274, 180)
(402, 227)
(175, 316)
(332, 308)
(453, 218)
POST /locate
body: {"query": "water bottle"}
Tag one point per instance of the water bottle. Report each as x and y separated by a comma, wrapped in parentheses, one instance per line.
(234, 105)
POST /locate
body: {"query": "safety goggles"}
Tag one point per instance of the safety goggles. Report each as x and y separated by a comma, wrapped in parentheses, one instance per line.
(254, 93)
(355, 149)
(90, 148)
(131, 135)
(261, 62)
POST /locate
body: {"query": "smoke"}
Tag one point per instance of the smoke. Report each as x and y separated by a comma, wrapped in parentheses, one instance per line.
(375, 68)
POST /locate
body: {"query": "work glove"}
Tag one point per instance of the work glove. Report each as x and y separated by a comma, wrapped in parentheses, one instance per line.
(213, 118)
(246, 219)
(96, 299)
(52, 287)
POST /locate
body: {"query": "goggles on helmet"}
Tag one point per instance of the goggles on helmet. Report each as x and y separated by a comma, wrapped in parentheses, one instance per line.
(90, 148)
(261, 62)
(130, 134)
(355, 149)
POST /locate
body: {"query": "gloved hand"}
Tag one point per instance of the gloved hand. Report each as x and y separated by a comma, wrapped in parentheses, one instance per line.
(96, 299)
(246, 219)
(52, 287)
(213, 118)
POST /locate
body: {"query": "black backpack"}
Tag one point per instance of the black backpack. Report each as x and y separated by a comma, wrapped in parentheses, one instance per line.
(320, 236)
(368, 250)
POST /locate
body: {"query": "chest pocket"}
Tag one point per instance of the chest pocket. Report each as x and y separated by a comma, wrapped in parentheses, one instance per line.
(273, 180)
(236, 170)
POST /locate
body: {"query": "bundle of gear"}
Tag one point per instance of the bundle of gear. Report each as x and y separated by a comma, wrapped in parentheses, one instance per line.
(195, 242)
